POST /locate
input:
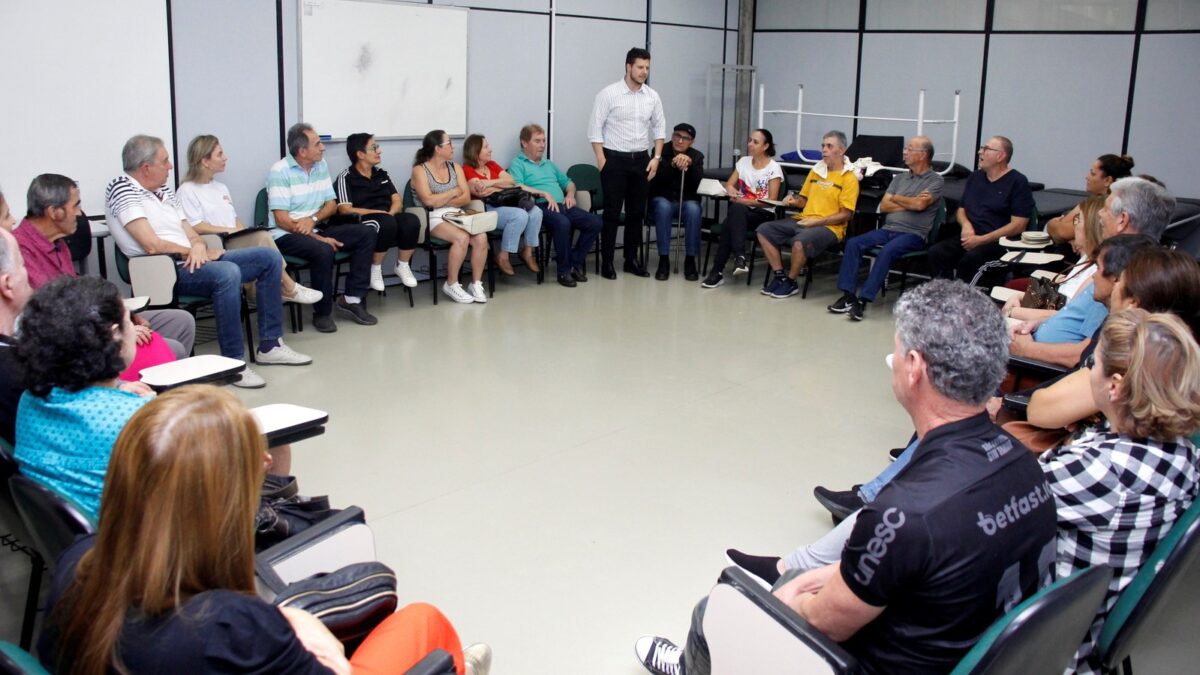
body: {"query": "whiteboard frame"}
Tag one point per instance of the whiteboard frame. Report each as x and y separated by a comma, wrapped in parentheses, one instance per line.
(300, 66)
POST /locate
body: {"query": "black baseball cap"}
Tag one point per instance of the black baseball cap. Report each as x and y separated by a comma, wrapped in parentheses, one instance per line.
(684, 126)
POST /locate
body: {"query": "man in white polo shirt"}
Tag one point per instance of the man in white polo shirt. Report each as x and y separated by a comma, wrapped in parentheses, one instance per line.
(145, 219)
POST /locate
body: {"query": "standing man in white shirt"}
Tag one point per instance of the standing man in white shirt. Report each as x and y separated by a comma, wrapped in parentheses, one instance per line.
(627, 119)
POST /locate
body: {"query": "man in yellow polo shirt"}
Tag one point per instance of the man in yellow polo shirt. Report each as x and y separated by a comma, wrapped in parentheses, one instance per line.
(826, 204)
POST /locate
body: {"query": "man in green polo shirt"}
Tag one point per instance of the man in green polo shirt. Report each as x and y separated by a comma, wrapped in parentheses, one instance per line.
(556, 198)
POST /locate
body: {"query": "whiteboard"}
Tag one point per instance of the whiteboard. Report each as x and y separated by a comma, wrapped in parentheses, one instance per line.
(74, 99)
(393, 69)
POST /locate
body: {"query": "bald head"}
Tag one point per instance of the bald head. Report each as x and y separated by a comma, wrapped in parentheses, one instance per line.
(918, 154)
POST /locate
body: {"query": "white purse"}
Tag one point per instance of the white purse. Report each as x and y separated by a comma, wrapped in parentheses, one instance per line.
(472, 221)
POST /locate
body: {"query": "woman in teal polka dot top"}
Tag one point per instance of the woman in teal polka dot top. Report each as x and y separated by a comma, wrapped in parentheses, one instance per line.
(74, 339)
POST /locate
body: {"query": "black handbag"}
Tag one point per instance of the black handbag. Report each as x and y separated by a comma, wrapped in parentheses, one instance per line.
(513, 196)
(350, 601)
(1043, 294)
(282, 512)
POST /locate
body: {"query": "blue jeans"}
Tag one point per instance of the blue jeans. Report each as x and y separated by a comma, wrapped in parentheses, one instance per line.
(561, 224)
(222, 281)
(895, 244)
(869, 491)
(512, 221)
(663, 211)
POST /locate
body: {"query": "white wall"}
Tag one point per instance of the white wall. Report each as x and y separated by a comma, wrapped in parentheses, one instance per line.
(76, 89)
(509, 87)
(1061, 96)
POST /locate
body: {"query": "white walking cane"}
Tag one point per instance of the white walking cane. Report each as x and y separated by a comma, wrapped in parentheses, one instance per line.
(683, 231)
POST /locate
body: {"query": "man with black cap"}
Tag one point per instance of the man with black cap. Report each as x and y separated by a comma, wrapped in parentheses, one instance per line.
(682, 169)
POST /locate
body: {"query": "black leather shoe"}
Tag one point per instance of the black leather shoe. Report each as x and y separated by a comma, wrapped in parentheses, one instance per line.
(664, 268)
(579, 275)
(690, 272)
(607, 271)
(840, 504)
(566, 281)
(635, 268)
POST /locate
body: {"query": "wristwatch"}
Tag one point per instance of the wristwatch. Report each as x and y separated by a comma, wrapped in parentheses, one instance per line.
(657, 158)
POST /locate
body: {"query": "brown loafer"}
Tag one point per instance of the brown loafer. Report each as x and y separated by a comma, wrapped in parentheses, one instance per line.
(503, 264)
(529, 260)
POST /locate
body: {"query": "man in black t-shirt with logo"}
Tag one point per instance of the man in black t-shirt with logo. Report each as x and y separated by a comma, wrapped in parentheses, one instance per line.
(959, 537)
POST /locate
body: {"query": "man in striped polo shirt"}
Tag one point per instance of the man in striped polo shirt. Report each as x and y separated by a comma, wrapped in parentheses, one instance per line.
(144, 218)
(301, 200)
(627, 118)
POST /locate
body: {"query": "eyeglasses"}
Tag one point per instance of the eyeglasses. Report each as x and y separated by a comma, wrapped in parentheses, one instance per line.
(445, 143)
(984, 148)
(374, 147)
(681, 137)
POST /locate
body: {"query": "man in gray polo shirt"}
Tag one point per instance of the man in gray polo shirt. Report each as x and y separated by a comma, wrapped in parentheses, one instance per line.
(911, 204)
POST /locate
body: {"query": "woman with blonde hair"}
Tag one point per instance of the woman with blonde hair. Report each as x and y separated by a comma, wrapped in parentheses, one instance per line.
(208, 208)
(1086, 242)
(167, 582)
(1119, 490)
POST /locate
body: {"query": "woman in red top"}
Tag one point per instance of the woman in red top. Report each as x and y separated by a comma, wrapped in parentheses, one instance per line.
(485, 178)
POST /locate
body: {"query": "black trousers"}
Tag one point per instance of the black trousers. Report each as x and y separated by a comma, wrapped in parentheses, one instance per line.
(948, 258)
(740, 220)
(625, 186)
(358, 240)
(401, 230)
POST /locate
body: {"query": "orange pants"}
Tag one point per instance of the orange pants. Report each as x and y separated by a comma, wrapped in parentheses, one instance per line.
(405, 638)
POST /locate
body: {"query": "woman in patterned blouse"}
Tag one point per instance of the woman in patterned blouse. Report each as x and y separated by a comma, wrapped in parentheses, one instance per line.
(1120, 489)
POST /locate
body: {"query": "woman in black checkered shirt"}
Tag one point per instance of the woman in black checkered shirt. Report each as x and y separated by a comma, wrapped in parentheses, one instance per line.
(1119, 490)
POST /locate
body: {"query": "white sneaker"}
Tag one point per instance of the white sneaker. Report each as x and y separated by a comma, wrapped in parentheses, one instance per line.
(282, 355)
(477, 658)
(303, 295)
(477, 291)
(250, 380)
(404, 271)
(377, 278)
(457, 293)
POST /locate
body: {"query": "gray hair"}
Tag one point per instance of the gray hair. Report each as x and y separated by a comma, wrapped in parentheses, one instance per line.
(960, 333)
(1007, 146)
(47, 190)
(839, 136)
(927, 147)
(139, 150)
(297, 138)
(8, 262)
(1148, 204)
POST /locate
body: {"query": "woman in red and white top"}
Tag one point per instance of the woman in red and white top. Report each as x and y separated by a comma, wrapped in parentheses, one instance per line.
(485, 178)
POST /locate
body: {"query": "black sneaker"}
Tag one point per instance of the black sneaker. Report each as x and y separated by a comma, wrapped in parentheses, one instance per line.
(763, 568)
(357, 313)
(842, 305)
(856, 310)
(776, 279)
(785, 288)
(739, 265)
(840, 504)
(659, 655)
(713, 280)
(324, 324)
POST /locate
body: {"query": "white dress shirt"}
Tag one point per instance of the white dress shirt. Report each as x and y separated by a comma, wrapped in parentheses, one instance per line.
(625, 120)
